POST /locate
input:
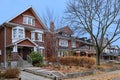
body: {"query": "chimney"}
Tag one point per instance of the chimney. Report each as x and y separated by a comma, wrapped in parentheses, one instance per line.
(52, 26)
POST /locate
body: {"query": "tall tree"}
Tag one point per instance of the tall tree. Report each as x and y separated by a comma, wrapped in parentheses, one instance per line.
(98, 18)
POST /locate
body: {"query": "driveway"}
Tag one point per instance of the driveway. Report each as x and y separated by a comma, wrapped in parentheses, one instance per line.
(28, 76)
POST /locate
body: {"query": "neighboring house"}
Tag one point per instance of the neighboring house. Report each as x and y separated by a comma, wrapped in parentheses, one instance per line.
(21, 35)
(66, 44)
(111, 52)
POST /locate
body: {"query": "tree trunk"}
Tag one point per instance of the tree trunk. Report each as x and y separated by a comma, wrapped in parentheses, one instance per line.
(98, 58)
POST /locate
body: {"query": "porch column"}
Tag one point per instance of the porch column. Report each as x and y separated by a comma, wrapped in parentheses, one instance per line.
(86, 53)
(15, 48)
(14, 56)
(77, 53)
(35, 48)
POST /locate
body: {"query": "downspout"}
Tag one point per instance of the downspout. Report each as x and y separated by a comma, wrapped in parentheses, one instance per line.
(5, 62)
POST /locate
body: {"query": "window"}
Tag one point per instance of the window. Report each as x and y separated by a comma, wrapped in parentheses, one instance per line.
(28, 20)
(33, 36)
(18, 33)
(39, 37)
(73, 44)
(37, 33)
(40, 49)
(63, 43)
(14, 33)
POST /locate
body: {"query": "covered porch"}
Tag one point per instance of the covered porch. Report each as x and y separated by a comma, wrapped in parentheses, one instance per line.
(85, 51)
(21, 48)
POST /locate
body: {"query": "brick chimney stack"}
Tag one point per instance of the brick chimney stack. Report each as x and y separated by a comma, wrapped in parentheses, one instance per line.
(52, 26)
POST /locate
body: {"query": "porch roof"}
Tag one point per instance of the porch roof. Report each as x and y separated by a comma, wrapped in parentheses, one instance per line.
(24, 42)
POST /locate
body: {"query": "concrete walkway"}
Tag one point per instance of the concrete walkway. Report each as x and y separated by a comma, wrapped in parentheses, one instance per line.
(114, 75)
(29, 76)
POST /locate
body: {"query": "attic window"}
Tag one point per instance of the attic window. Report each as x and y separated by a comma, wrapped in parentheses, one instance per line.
(28, 20)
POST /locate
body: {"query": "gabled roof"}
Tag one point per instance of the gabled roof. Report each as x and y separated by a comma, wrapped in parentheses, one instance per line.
(32, 10)
(64, 29)
(19, 41)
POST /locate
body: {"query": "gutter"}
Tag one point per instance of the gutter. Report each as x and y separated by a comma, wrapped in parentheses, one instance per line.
(5, 61)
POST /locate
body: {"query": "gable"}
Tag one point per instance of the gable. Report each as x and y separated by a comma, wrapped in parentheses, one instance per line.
(26, 43)
(66, 30)
(29, 12)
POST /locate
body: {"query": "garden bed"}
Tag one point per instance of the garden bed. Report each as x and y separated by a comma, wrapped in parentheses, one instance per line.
(66, 69)
(76, 71)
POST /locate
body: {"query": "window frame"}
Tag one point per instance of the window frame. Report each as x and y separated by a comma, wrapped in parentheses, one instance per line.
(40, 37)
(33, 36)
(17, 32)
(73, 44)
(37, 33)
(29, 20)
(63, 43)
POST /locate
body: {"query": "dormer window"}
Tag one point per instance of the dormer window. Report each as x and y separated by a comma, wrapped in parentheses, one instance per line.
(28, 20)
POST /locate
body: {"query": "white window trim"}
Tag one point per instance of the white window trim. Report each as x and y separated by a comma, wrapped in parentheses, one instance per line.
(65, 41)
(42, 50)
(17, 33)
(41, 37)
(38, 32)
(73, 44)
(33, 36)
(26, 22)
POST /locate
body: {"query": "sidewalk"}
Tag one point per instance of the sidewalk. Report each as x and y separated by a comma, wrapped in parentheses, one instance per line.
(29, 76)
(114, 75)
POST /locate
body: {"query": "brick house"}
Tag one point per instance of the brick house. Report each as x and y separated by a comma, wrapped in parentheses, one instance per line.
(25, 32)
(65, 43)
(21, 35)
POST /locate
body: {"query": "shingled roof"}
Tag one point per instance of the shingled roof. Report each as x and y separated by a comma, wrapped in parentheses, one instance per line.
(65, 29)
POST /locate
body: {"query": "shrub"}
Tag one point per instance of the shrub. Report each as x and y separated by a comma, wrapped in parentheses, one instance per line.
(51, 59)
(2, 73)
(77, 61)
(12, 73)
(36, 57)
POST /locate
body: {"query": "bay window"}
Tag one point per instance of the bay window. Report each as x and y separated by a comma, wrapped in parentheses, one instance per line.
(33, 36)
(39, 37)
(18, 33)
(37, 33)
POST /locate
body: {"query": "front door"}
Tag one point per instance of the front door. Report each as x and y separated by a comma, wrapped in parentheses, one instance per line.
(24, 51)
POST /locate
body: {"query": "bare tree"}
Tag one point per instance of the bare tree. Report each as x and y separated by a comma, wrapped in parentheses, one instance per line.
(50, 16)
(98, 18)
(53, 22)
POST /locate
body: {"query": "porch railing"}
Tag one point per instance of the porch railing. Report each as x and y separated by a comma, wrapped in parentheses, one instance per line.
(20, 61)
(29, 59)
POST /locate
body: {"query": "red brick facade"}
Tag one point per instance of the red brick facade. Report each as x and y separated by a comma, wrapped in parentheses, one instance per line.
(26, 43)
(50, 45)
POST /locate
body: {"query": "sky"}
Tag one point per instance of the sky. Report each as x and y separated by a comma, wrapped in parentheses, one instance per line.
(13, 7)
(10, 8)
